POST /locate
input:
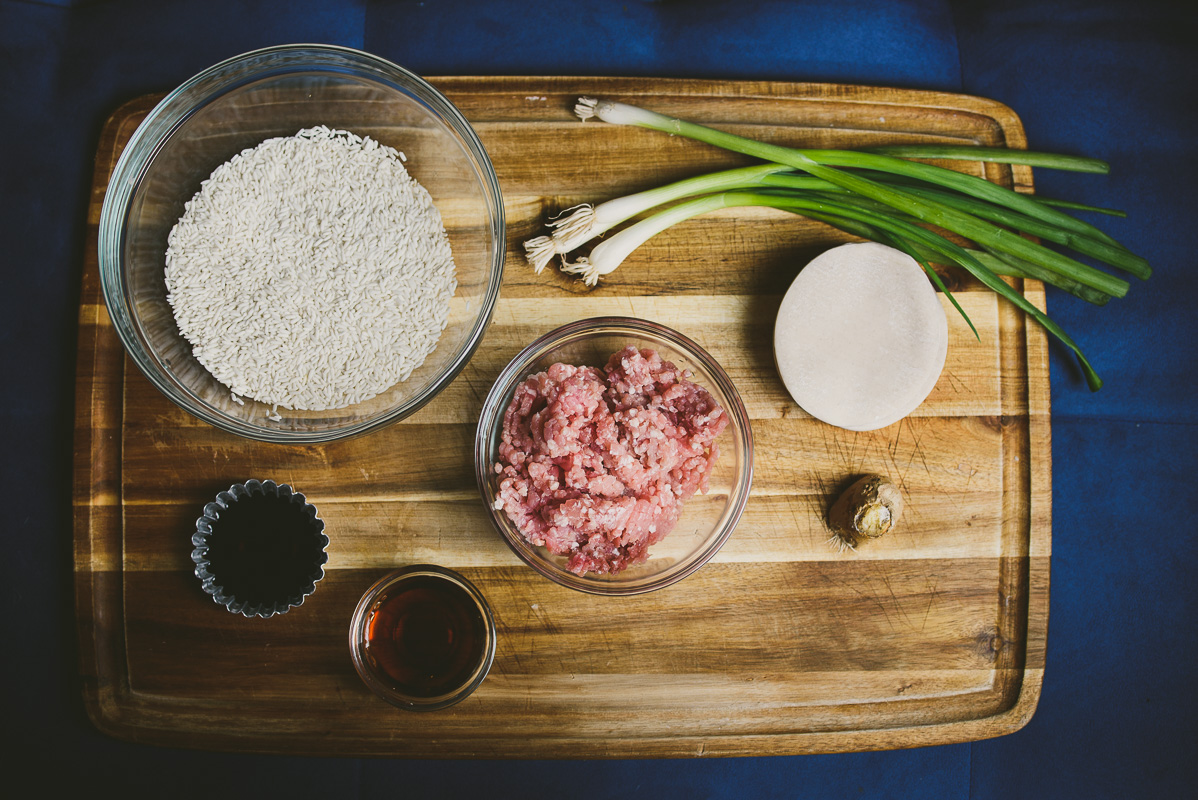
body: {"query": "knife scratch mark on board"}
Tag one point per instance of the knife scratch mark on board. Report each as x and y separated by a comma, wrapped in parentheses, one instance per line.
(933, 594)
(898, 606)
(869, 597)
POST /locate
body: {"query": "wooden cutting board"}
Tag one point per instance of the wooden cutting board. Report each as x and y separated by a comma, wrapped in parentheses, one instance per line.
(934, 634)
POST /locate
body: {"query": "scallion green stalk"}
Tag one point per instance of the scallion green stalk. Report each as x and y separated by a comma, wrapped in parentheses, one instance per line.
(881, 195)
(997, 155)
(1078, 274)
(576, 226)
(1008, 265)
(1110, 212)
(1108, 254)
(609, 254)
(944, 247)
(817, 162)
(945, 216)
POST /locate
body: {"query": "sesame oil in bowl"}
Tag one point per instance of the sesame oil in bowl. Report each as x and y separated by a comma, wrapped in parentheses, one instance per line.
(422, 638)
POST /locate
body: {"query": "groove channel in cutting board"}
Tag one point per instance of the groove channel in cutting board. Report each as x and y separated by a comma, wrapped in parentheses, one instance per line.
(933, 634)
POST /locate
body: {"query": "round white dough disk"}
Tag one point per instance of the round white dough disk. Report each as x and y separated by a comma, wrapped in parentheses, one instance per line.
(861, 337)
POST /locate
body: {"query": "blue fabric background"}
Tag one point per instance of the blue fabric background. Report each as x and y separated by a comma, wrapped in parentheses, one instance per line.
(1117, 80)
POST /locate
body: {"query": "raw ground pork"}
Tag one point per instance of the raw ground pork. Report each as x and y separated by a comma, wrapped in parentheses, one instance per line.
(596, 464)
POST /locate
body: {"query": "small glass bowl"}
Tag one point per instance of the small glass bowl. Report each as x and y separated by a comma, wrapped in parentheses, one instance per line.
(238, 104)
(707, 519)
(432, 624)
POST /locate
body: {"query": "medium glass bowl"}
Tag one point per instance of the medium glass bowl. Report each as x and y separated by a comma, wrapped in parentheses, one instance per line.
(238, 104)
(707, 520)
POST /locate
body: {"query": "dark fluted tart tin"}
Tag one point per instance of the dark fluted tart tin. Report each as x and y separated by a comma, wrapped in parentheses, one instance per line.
(259, 548)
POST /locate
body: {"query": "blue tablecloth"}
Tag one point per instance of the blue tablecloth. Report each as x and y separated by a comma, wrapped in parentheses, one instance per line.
(1110, 79)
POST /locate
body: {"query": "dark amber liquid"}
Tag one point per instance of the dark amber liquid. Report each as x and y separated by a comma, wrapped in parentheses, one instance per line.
(425, 637)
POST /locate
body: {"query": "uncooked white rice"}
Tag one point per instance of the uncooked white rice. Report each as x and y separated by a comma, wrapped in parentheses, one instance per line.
(311, 272)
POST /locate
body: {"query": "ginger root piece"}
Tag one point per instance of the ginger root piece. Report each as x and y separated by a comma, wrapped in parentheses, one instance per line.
(866, 510)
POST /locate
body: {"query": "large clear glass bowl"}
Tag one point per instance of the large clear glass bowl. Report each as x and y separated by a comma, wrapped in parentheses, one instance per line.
(707, 520)
(237, 104)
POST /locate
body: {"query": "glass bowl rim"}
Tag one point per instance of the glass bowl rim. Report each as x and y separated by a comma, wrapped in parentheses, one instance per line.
(178, 106)
(357, 626)
(518, 368)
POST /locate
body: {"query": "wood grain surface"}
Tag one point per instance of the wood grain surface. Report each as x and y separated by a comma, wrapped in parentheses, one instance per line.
(933, 634)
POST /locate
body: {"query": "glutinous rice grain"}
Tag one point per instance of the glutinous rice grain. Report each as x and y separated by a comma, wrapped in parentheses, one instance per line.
(311, 272)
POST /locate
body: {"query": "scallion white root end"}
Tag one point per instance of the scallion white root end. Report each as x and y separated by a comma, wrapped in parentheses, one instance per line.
(623, 114)
(539, 252)
(572, 228)
(576, 225)
(586, 269)
(585, 108)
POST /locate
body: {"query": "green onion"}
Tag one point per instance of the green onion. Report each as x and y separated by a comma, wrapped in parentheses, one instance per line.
(1115, 256)
(1078, 274)
(997, 155)
(584, 222)
(952, 219)
(960, 256)
(811, 161)
(912, 250)
(876, 194)
(608, 255)
(1007, 265)
(1110, 212)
